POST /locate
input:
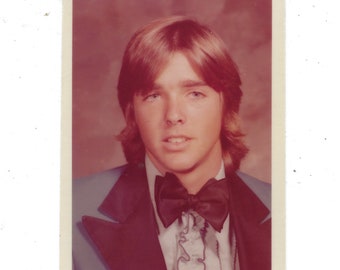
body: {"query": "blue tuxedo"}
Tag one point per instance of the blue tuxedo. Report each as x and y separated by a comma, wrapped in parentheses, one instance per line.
(114, 226)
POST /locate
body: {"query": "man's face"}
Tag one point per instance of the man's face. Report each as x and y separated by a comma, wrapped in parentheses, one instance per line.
(179, 120)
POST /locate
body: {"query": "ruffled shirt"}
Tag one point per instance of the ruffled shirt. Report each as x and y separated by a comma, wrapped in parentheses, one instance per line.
(192, 243)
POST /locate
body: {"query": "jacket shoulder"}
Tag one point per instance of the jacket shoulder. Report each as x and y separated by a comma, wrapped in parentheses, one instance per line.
(261, 189)
(87, 194)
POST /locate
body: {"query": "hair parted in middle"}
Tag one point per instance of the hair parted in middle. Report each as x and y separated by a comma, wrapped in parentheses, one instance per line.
(149, 50)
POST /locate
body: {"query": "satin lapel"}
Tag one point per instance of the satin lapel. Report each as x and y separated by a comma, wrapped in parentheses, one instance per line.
(252, 230)
(133, 242)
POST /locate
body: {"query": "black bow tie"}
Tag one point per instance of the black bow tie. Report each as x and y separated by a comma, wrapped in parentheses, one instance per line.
(211, 202)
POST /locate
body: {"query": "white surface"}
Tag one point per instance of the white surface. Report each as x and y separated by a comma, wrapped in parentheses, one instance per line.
(312, 75)
(30, 89)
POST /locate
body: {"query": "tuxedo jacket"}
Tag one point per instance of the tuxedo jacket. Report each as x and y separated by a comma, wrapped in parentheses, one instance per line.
(114, 225)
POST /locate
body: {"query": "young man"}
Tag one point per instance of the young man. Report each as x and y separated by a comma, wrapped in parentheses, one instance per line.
(180, 203)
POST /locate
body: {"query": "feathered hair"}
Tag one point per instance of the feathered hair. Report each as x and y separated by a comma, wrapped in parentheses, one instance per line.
(148, 52)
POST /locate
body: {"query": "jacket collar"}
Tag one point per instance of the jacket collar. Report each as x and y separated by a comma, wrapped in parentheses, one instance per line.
(124, 198)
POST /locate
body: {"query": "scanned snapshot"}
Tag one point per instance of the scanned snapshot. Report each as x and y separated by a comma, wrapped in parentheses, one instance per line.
(171, 135)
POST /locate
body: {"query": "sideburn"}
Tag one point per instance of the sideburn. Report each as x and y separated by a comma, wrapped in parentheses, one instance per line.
(130, 139)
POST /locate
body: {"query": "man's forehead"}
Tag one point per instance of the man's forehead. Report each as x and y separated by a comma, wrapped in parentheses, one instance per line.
(176, 60)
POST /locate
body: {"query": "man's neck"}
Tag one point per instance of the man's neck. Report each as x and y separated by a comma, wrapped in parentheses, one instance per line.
(192, 180)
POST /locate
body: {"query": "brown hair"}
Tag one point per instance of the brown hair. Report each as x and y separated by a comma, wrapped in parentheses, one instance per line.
(145, 55)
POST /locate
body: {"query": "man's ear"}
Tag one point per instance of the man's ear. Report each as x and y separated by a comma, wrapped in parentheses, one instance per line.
(222, 105)
(221, 97)
(129, 112)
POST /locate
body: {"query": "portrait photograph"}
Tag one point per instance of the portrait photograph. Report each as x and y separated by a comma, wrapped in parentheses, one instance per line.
(172, 123)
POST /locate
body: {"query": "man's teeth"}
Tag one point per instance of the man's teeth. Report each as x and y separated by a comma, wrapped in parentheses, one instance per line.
(176, 140)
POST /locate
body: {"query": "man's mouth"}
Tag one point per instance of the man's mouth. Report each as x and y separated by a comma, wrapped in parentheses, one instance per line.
(176, 139)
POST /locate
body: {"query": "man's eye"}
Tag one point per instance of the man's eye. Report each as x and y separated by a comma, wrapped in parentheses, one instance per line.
(196, 94)
(151, 97)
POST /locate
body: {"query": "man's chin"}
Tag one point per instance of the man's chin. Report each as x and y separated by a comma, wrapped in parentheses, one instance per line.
(180, 168)
(173, 164)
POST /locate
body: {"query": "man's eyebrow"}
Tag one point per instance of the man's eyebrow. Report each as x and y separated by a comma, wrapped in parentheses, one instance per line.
(193, 83)
(155, 87)
(185, 83)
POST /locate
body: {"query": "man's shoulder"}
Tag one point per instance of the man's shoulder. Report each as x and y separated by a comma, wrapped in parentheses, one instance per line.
(259, 187)
(89, 192)
(104, 177)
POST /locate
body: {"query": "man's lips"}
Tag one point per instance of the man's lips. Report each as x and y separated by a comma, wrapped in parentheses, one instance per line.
(176, 139)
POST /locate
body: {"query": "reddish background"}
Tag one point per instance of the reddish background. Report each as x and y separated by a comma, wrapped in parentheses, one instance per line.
(101, 30)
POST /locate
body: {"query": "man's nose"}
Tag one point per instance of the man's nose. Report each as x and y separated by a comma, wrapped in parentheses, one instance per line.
(174, 112)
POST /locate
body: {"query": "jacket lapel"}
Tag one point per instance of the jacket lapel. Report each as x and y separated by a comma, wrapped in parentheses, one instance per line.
(132, 243)
(252, 230)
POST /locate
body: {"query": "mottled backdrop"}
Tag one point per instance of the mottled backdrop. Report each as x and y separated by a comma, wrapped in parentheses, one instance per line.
(101, 29)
